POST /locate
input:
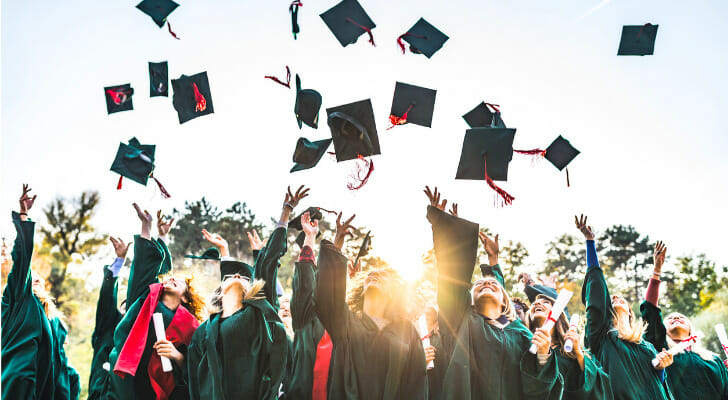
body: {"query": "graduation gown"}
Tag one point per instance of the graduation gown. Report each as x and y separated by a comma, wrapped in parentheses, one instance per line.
(629, 365)
(27, 338)
(591, 384)
(244, 355)
(368, 363)
(67, 379)
(690, 376)
(137, 381)
(480, 360)
(102, 340)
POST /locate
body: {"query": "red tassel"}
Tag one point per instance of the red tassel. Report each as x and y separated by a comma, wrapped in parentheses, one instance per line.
(395, 120)
(506, 199)
(400, 42)
(199, 99)
(288, 78)
(118, 185)
(495, 107)
(567, 178)
(295, 3)
(643, 27)
(367, 30)
(169, 27)
(363, 166)
(327, 211)
(534, 152)
(118, 96)
(164, 191)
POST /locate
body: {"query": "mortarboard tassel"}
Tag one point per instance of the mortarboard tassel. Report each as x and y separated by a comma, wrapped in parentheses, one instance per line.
(640, 32)
(495, 107)
(118, 185)
(199, 99)
(169, 27)
(164, 191)
(567, 178)
(119, 96)
(293, 9)
(535, 154)
(288, 78)
(367, 30)
(506, 199)
(363, 166)
(400, 42)
(327, 211)
(395, 120)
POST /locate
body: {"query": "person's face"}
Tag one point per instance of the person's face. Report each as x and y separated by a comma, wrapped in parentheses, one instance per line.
(285, 310)
(619, 304)
(174, 286)
(487, 289)
(234, 282)
(540, 309)
(677, 325)
(376, 280)
(38, 283)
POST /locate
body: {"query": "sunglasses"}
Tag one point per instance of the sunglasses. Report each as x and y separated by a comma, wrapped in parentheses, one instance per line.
(226, 277)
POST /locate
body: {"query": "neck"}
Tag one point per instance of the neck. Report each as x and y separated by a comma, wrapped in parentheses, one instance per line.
(678, 335)
(170, 301)
(232, 301)
(375, 304)
(489, 309)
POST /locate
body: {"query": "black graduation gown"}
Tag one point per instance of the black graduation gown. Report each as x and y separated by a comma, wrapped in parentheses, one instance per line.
(368, 363)
(102, 340)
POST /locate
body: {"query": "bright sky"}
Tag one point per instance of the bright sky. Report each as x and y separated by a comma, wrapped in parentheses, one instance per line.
(651, 129)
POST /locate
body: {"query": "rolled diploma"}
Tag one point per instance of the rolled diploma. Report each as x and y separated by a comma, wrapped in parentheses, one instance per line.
(422, 321)
(573, 323)
(561, 301)
(720, 330)
(681, 346)
(159, 330)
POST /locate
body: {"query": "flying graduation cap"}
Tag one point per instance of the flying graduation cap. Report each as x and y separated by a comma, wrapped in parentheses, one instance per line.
(136, 162)
(210, 254)
(118, 98)
(308, 153)
(637, 40)
(485, 156)
(191, 96)
(412, 104)
(158, 79)
(366, 245)
(347, 21)
(308, 104)
(482, 117)
(560, 153)
(159, 10)
(293, 9)
(314, 213)
(423, 38)
(354, 133)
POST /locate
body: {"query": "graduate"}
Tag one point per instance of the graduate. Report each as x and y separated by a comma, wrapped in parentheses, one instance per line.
(241, 351)
(135, 358)
(312, 347)
(614, 335)
(68, 382)
(696, 373)
(483, 346)
(377, 351)
(107, 317)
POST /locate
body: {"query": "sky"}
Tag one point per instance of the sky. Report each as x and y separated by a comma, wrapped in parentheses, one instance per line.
(651, 130)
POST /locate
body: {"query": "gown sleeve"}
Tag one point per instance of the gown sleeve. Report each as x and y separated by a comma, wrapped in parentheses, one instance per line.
(145, 268)
(267, 263)
(107, 315)
(592, 383)
(595, 295)
(651, 313)
(304, 281)
(538, 381)
(166, 266)
(330, 295)
(19, 281)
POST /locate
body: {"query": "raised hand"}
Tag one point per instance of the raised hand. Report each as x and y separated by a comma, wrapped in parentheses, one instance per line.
(119, 247)
(162, 226)
(549, 281)
(583, 227)
(343, 230)
(26, 202)
(146, 219)
(454, 209)
(659, 256)
(434, 198)
(491, 247)
(293, 199)
(217, 241)
(353, 269)
(255, 242)
(525, 277)
(310, 227)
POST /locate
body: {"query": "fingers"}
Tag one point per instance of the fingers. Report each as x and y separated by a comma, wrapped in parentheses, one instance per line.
(113, 241)
(138, 210)
(348, 221)
(306, 218)
(496, 239)
(159, 215)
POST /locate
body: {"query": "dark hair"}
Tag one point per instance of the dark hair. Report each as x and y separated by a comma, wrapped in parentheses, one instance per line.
(559, 331)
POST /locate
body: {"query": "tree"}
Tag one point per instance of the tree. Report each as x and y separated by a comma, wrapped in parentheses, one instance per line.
(629, 253)
(566, 256)
(67, 234)
(695, 285)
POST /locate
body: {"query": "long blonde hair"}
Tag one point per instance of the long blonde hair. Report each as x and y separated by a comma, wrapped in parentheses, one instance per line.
(252, 291)
(696, 348)
(49, 304)
(630, 330)
(398, 308)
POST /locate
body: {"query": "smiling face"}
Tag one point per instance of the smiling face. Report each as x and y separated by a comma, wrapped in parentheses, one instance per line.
(678, 326)
(619, 304)
(540, 309)
(487, 289)
(174, 286)
(377, 280)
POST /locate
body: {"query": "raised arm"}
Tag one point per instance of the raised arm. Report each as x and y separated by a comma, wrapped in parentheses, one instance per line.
(651, 313)
(148, 258)
(594, 292)
(107, 313)
(492, 249)
(164, 224)
(304, 277)
(19, 280)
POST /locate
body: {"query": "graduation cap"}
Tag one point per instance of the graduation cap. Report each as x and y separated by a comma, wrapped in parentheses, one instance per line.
(353, 130)
(158, 79)
(423, 38)
(637, 40)
(560, 153)
(136, 162)
(210, 254)
(293, 9)
(366, 244)
(158, 9)
(118, 98)
(485, 156)
(308, 153)
(191, 96)
(315, 214)
(482, 117)
(232, 267)
(308, 104)
(412, 104)
(533, 291)
(348, 20)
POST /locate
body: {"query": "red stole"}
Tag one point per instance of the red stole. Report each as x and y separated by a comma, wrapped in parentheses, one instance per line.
(179, 331)
(321, 367)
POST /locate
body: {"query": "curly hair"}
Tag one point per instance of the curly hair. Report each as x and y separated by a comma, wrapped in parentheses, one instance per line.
(195, 303)
(398, 308)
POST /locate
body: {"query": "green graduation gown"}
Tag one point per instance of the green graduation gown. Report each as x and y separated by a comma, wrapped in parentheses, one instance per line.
(629, 365)
(102, 340)
(67, 380)
(591, 384)
(690, 376)
(368, 363)
(27, 338)
(480, 360)
(244, 355)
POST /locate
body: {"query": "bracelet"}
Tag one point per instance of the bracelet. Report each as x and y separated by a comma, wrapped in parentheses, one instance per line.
(655, 273)
(288, 205)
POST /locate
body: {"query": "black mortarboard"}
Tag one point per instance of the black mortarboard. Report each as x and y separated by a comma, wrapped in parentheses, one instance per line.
(482, 117)
(308, 153)
(493, 144)
(423, 38)
(412, 104)
(134, 161)
(157, 9)
(308, 104)
(118, 98)
(315, 214)
(230, 267)
(158, 79)
(637, 40)
(353, 130)
(348, 20)
(191, 96)
(560, 153)
(532, 291)
(210, 254)
(364, 248)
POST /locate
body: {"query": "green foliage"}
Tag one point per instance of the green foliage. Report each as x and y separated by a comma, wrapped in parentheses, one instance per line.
(566, 256)
(628, 255)
(706, 319)
(695, 284)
